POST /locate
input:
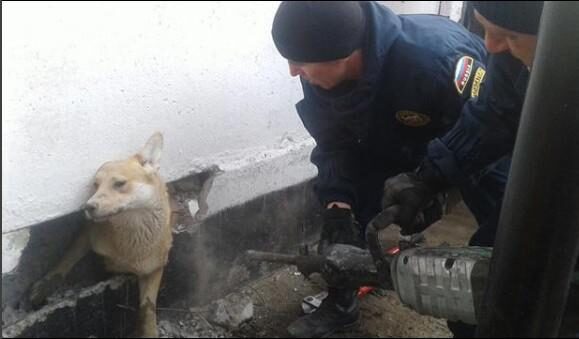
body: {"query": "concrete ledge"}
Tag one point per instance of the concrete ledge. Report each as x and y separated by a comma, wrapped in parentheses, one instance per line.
(242, 175)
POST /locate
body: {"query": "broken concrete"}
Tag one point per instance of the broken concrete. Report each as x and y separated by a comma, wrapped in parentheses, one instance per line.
(47, 243)
(191, 326)
(204, 265)
(94, 311)
(231, 312)
(189, 197)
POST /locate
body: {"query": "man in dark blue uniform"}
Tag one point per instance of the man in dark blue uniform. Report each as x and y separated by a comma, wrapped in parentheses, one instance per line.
(377, 87)
(486, 130)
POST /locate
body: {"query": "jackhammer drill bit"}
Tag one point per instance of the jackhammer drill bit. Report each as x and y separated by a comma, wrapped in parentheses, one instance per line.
(342, 265)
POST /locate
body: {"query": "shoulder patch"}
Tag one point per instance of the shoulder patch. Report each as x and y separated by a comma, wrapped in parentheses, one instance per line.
(479, 76)
(412, 119)
(462, 73)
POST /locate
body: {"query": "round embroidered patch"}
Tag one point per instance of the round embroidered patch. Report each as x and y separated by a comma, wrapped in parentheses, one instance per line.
(412, 119)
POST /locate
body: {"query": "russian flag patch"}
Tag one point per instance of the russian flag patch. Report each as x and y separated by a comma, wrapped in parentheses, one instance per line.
(462, 73)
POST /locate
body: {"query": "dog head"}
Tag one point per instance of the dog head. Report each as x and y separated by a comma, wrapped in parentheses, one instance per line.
(128, 184)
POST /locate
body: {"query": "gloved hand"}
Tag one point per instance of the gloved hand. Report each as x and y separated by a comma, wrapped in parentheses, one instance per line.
(339, 227)
(420, 204)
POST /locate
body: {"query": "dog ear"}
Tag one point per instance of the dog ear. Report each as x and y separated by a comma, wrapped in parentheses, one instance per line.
(150, 155)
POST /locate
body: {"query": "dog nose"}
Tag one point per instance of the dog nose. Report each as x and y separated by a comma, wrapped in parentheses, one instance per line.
(90, 208)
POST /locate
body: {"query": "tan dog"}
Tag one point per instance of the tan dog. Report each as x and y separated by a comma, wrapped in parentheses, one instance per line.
(129, 226)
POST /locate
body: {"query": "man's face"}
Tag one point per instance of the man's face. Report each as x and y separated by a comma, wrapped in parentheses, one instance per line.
(326, 75)
(498, 39)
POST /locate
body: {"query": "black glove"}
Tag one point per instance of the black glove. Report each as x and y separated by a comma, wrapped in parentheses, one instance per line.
(339, 227)
(420, 203)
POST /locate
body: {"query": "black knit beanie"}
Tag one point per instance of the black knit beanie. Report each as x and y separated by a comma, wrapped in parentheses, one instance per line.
(517, 16)
(318, 31)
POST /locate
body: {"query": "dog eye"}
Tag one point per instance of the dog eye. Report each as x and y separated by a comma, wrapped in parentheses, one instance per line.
(120, 183)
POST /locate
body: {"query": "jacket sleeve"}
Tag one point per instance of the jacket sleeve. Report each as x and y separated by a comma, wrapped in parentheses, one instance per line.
(336, 154)
(486, 128)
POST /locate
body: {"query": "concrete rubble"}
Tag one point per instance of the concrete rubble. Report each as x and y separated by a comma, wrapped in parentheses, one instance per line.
(231, 312)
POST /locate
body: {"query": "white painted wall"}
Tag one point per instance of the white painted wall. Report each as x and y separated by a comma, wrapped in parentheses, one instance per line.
(83, 83)
(87, 82)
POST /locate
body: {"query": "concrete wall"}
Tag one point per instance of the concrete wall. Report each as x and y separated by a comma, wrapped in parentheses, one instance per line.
(84, 83)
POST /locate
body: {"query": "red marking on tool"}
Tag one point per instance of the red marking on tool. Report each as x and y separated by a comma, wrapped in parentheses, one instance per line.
(362, 291)
(393, 250)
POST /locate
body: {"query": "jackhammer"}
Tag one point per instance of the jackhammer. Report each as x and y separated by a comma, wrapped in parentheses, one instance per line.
(443, 282)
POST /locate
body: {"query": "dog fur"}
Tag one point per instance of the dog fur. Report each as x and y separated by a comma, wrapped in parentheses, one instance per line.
(129, 225)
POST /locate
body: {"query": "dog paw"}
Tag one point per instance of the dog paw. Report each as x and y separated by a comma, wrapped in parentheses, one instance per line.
(43, 288)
